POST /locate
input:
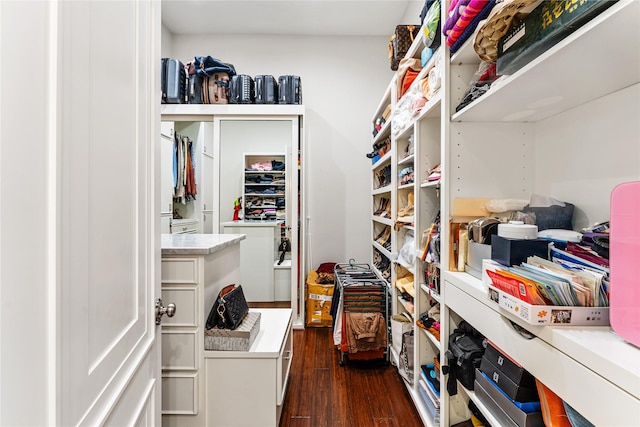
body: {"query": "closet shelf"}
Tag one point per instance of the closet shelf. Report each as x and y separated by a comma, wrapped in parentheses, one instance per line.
(409, 159)
(429, 184)
(382, 220)
(596, 347)
(382, 190)
(485, 411)
(379, 247)
(433, 294)
(431, 109)
(384, 132)
(384, 159)
(584, 77)
(431, 338)
(196, 111)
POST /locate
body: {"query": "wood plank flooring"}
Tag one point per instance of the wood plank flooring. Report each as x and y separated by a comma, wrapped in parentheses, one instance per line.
(361, 393)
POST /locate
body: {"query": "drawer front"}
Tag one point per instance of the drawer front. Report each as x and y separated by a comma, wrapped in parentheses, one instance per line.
(184, 229)
(179, 350)
(583, 389)
(283, 366)
(179, 394)
(183, 271)
(185, 300)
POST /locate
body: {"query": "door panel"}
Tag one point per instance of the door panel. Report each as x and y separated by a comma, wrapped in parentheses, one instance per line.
(107, 199)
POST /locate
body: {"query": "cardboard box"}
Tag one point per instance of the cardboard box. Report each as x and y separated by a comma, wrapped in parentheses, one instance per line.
(540, 315)
(510, 252)
(545, 26)
(556, 315)
(318, 302)
(502, 408)
(521, 391)
(239, 339)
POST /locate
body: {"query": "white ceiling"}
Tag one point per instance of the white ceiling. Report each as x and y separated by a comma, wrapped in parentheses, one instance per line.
(289, 17)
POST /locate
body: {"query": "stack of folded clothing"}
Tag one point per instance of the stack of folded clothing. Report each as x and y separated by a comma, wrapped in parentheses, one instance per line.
(463, 18)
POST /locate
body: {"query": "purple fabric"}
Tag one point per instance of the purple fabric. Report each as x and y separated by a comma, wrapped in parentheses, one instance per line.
(468, 32)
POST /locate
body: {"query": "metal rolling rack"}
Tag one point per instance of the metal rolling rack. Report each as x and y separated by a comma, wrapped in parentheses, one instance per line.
(363, 291)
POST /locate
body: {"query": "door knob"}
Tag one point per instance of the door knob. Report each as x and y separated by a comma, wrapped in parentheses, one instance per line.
(169, 310)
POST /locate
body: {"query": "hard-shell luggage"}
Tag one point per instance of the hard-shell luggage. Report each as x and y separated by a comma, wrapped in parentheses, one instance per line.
(194, 89)
(173, 82)
(215, 89)
(241, 89)
(290, 89)
(266, 89)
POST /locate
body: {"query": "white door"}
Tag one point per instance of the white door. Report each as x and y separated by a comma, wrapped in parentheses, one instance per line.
(79, 213)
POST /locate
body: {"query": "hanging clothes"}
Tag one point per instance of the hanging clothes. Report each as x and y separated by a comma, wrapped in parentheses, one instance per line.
(184, 174)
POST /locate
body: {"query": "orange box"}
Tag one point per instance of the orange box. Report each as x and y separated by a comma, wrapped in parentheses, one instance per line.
(318, 302)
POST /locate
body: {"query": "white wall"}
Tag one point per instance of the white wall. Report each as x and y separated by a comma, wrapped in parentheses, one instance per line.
(343, 79)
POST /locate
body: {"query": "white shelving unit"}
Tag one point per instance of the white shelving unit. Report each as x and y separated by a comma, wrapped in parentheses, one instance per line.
(264, 189)
(565, 125)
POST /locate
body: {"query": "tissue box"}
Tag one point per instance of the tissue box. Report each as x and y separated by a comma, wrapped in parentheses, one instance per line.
(546, 25)
(239, 339)
(510, 252)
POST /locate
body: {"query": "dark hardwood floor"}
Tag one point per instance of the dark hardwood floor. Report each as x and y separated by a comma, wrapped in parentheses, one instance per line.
(359, 394)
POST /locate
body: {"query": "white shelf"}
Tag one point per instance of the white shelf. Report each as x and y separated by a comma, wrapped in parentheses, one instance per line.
(186, 110)
(274, 323)
(382, 220)
(381, 162)
(525, 122)
(523, 97)
(407, 160)
(610, 363)
(384, 132)
(432, 294)
(430, 184)
(432, 108)
(431, 337)
(385, 189)
(382, 250)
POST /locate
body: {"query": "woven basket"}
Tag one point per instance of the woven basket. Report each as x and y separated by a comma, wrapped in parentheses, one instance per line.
(497, 25)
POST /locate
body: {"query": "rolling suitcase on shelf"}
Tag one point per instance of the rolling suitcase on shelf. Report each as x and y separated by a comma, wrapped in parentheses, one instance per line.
(266, 89)
(290, 90)
(173, 82)
(241, 89)
(194, 89)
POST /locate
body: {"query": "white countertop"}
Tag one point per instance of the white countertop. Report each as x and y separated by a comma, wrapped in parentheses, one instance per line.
(197, 244)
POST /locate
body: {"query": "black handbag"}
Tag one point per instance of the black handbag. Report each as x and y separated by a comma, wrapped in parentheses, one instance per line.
(229, 309)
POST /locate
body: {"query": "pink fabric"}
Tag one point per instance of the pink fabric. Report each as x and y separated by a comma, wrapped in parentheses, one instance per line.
(454, 13)
(466, 17)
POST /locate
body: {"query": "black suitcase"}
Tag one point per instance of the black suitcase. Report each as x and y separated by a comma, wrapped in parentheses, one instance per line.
(290, 90)
(241, 89)
(266, 89)
(194, 89)
(174, 82)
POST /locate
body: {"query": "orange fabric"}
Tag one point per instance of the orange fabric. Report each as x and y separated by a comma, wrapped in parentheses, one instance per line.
(552, 408)
(409, 77)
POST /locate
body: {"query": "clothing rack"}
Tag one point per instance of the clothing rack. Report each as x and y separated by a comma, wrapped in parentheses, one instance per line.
(363, 311)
